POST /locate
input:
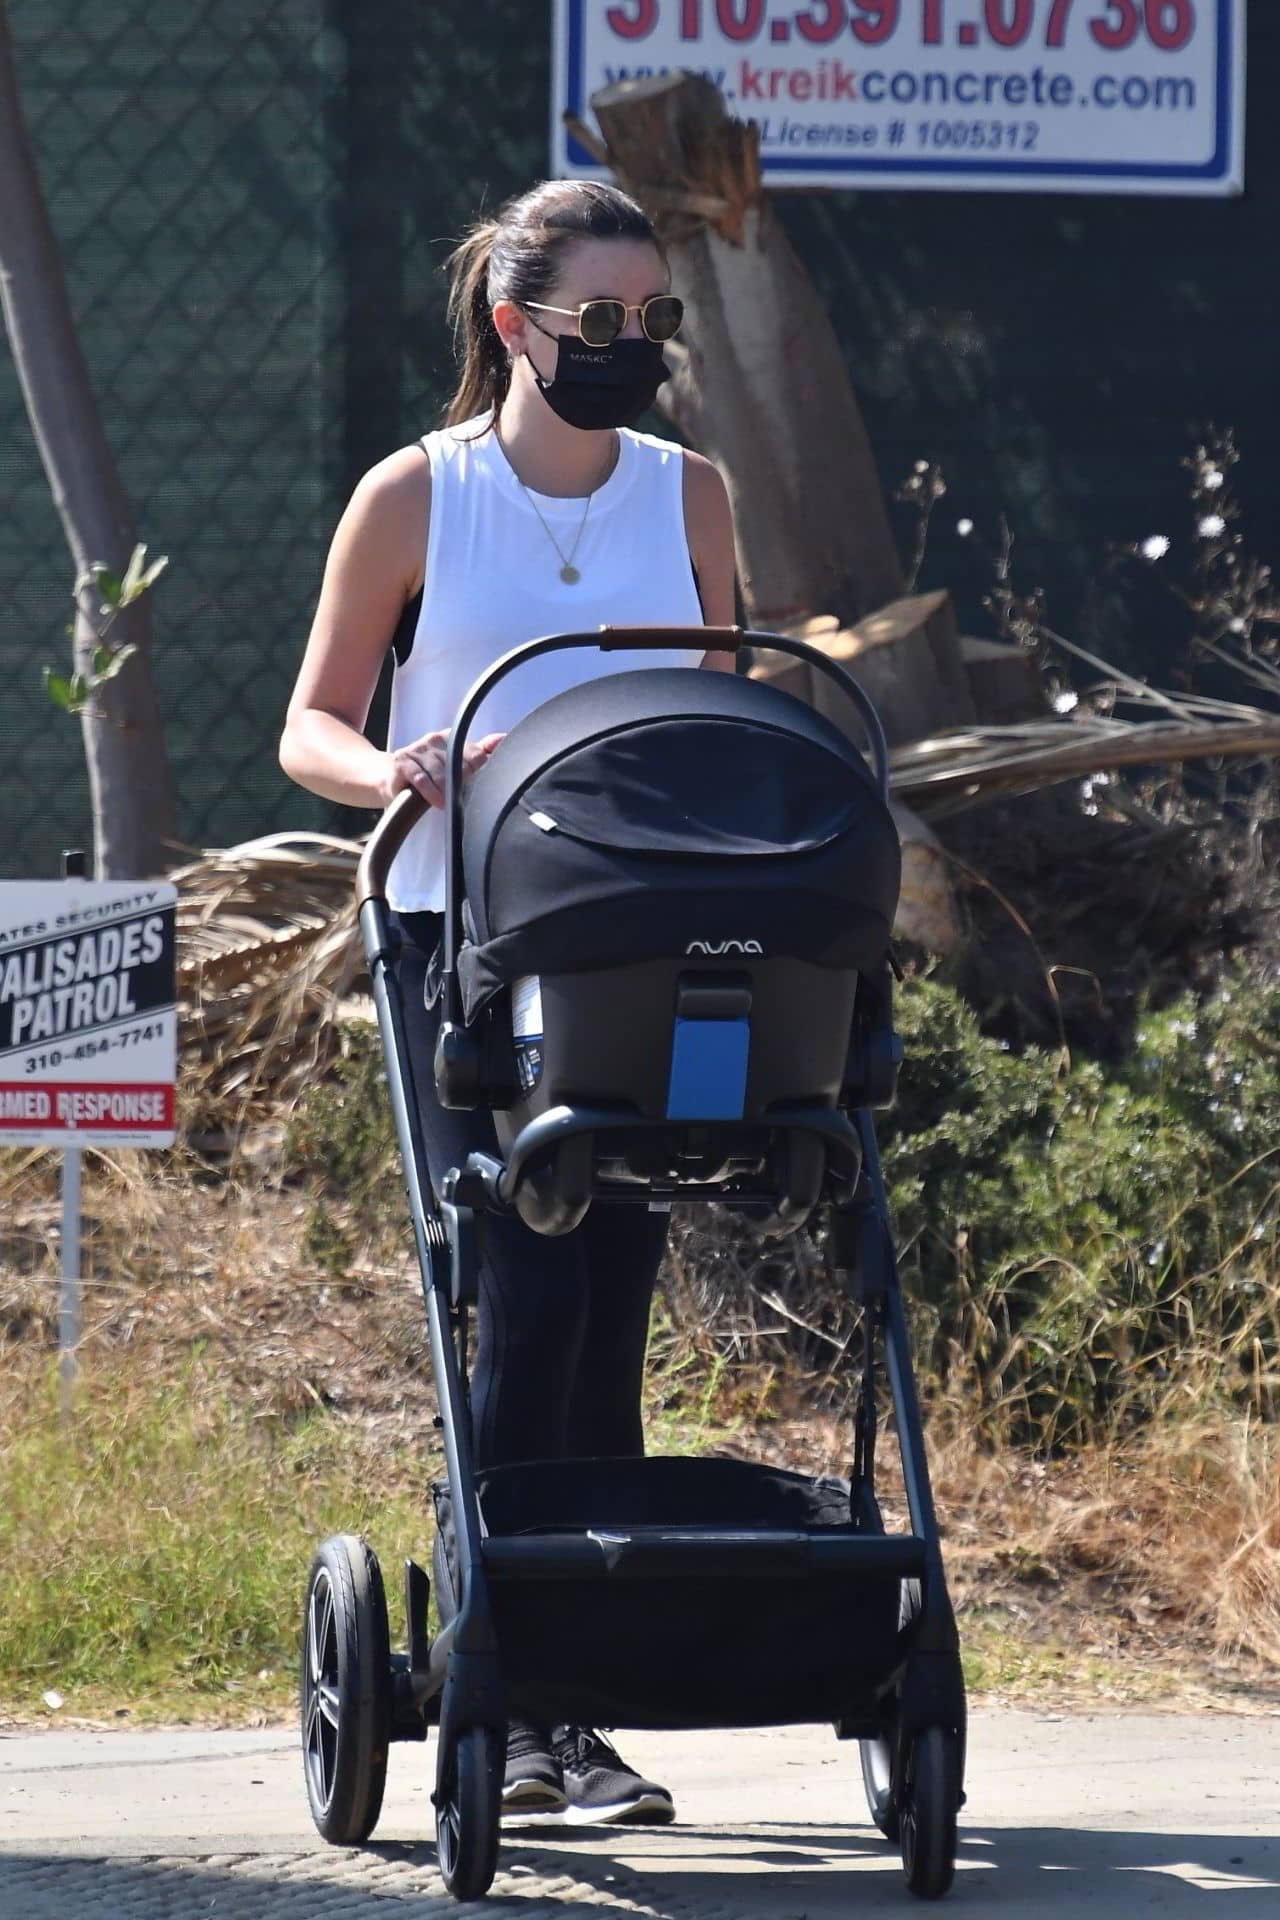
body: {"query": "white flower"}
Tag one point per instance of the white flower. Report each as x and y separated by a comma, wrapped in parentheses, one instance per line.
(921, 466)
(1211, 526)
(1212, 480)
(1236, 626)
(1065, 702)
(964, 528)
(1154, 547)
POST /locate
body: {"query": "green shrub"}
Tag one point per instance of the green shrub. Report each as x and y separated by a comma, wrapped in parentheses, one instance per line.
(1081, 1247)
(1087, 1246)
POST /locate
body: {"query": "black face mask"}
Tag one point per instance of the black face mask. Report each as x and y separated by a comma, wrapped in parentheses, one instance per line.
(598, 387)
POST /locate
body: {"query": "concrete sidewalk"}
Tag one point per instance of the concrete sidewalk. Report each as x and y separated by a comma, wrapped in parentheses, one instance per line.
(1104, 1815)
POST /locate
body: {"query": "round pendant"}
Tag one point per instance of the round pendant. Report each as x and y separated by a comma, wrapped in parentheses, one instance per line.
(570, 575)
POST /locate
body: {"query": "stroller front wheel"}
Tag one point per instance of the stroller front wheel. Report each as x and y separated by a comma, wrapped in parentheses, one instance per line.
(468, 1809)
(927, 1812)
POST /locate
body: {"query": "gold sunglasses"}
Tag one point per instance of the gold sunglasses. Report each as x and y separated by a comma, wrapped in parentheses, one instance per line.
(601, 321)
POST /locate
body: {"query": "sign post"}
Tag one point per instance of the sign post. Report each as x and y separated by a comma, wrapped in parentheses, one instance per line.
(1023, 96)
(69, 1294)
(88, 1036)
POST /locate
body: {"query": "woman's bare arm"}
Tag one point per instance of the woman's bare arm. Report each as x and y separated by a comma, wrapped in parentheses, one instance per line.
(374, 565)
(709, 528)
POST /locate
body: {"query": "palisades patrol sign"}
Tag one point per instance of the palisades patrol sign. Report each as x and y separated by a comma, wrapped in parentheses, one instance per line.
(88, 1020)
(1068, 96)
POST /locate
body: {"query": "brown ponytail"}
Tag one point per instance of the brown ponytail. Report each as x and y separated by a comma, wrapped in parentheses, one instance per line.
(486, 371)
(517, 257)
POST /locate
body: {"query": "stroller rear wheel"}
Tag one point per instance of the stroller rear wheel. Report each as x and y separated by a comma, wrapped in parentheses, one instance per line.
(877, 1755)
(346, 1690)
(468, 1807)
(877, 1780)
(927, 1812)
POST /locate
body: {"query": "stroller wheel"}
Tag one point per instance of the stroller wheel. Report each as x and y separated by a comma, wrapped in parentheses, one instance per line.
(877, 1780)
(346, 1690)
(927, 1812)
(468, 1805)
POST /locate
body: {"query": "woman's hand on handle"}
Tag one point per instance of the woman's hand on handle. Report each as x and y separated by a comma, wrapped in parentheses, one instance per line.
(423, 764)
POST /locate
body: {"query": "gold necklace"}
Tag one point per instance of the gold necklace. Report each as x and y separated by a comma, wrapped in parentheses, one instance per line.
(568, 572)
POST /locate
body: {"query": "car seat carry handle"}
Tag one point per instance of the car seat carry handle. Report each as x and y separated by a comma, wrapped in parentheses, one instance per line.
(710, 639)
(611, 640)
(407, 808)
(730, 639)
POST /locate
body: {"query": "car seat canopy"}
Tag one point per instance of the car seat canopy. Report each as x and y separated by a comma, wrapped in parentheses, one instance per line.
(664, 811)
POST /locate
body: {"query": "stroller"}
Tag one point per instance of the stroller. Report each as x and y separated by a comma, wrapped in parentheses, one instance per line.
(666, 971)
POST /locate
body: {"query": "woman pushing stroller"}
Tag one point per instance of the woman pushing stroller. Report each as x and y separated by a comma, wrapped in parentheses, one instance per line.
(536, 509)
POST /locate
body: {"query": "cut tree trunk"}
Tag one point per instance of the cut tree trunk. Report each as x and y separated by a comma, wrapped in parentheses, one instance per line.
(129, 782)
(910, 640)
(1004, 681)
(761, 385)
(906, 657)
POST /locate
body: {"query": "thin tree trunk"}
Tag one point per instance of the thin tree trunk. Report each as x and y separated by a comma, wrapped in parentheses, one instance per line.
(762, 387)
(129, 781)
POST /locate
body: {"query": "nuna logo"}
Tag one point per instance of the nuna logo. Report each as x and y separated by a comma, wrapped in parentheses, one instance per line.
(714, 948)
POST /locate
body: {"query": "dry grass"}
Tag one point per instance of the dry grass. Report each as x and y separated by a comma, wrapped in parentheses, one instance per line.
(1149, 1569)
(1145, 1564)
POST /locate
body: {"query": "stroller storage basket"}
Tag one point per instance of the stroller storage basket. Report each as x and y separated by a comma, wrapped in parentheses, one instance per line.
(706, 1593)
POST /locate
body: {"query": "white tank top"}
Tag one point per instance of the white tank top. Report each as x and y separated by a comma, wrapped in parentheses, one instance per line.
(492, 580)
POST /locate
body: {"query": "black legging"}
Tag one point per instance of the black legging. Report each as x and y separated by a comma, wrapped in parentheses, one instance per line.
(561, 1323)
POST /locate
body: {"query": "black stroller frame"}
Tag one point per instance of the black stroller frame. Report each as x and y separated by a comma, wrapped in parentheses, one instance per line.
(358, 1696)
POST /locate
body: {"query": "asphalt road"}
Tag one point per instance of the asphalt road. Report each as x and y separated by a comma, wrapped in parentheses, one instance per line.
(1102, 1816)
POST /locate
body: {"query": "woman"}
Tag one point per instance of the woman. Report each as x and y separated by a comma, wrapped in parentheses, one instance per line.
(536, 509)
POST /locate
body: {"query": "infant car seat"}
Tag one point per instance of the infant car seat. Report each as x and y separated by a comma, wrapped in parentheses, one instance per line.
(679, 889)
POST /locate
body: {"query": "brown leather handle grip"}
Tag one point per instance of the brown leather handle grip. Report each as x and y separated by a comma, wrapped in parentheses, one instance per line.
(384, 843)
(702, 639)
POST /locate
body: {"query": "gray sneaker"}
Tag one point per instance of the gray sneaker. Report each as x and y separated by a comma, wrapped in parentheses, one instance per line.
(532, 1786)
(601, 1787)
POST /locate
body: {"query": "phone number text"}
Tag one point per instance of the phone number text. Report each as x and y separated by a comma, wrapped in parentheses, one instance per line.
(90, 1049)
(1114, 25)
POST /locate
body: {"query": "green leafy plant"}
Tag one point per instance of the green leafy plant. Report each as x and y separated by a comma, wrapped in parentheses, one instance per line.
(1085, 1248)
(73, 693)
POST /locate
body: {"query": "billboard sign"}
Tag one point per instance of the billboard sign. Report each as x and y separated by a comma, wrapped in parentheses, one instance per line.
(1068, 96)
(88, 1015)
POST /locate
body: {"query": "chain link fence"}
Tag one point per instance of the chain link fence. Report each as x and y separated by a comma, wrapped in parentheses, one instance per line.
(252, 204)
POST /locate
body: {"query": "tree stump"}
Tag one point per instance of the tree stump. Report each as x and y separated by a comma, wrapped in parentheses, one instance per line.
(1004, 681)
(760, 384)
(906, 658)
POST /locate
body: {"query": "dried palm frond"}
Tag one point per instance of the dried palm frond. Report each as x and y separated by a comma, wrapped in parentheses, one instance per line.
(267, 948)
(950, 771)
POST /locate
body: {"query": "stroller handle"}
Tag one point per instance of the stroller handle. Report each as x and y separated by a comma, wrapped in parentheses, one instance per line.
(384, 843)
